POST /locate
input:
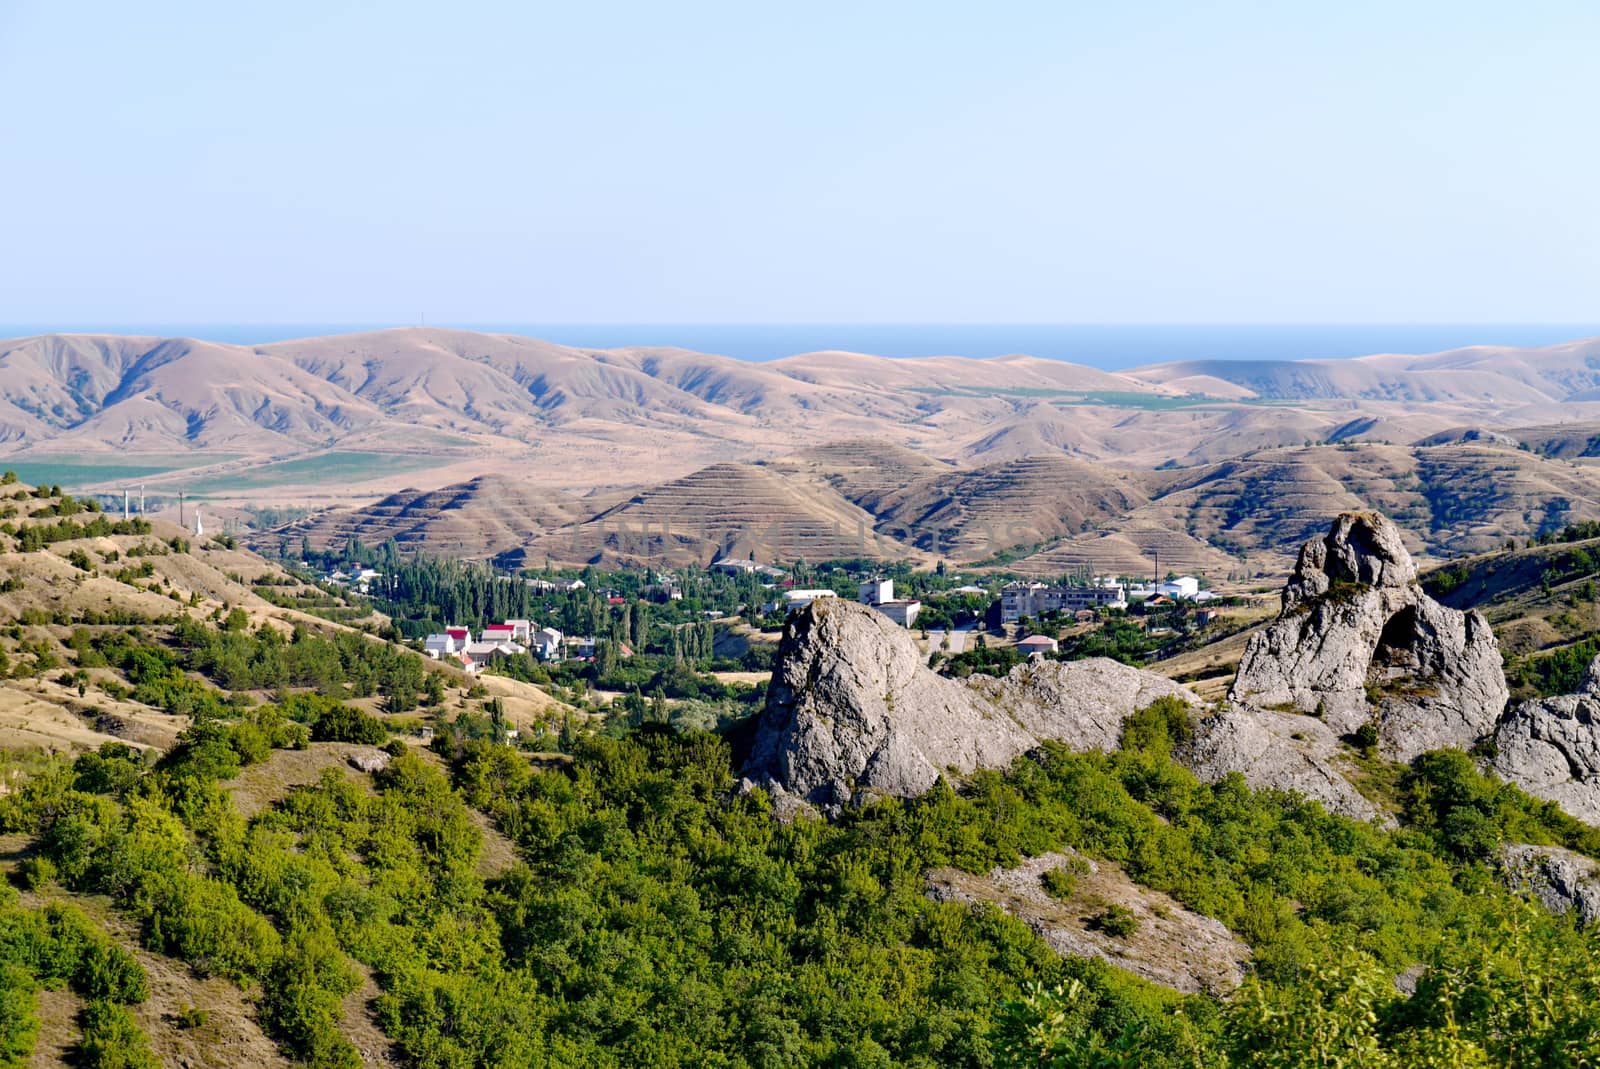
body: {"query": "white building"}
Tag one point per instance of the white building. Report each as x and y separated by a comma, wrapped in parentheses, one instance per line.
(877, 591)
(734, 565)
(546, 642)
(520, 629)
(1038, 644)
(437, 646)
(1032, 599)
(484, 651)
(903, 612)
(1183, 588)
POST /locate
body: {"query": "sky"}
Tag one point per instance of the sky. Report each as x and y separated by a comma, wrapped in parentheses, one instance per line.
(927, 162)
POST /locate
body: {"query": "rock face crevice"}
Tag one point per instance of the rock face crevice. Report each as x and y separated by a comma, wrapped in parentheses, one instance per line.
(1359, 642)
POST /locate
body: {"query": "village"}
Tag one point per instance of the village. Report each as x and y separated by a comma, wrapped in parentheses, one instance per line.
(982, 622)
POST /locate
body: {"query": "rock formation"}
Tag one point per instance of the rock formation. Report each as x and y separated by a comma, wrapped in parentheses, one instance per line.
(1278, 752)
(1561, 880)
(1172, 946)
(1550, 747)
(1358, 641)
(853, 711)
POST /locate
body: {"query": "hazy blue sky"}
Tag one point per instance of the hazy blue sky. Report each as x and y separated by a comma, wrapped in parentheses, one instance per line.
(508, 162)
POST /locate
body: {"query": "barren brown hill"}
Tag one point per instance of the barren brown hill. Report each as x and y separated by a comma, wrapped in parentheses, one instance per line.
(1497, 375)
(864, 470)
(1449, 499)
(725, 510)
(978, 513)
(482, 517)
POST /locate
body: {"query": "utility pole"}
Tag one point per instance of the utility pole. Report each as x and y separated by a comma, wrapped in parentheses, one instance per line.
(141, 500)
(124, 504)
(1157, 578)
(181, 522)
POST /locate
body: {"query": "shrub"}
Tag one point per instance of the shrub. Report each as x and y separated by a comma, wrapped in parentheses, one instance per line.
(1116, 921)
(1059, 883)
(111, 1039)
(345, 723)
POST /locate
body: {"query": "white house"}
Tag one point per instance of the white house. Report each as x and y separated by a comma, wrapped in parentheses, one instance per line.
(546, 642)
(1183, 588)
(437, 646)
(498, 633)
(903, 612)
(734, 565)
(877, 591)
(520, 629)
(484, 651)
(1038, 644)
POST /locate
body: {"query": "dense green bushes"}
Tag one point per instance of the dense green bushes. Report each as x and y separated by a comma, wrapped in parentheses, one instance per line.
(58, 946)
(655, 916)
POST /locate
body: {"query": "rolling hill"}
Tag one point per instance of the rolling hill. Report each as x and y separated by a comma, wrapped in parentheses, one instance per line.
(247, 423)
(736, 510)
(486, 516)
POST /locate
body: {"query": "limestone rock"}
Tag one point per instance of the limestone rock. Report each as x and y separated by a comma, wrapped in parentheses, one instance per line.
(1080, 703)
(853, 711)
(368, 760)
(1550, 748)
(1276, 751)
(1172, 946)
(1561, 880)
(1358, 641)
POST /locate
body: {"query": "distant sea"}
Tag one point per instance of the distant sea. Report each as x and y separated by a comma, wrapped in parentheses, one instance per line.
(1107, 346)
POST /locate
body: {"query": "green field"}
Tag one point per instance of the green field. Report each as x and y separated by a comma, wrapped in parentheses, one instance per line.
(73, 475)
(328, 468)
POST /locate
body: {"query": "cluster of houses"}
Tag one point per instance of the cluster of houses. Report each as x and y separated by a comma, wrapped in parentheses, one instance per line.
(495, 641)
(360, 580)
(1033, 599)
(562, 586)
(746, 566)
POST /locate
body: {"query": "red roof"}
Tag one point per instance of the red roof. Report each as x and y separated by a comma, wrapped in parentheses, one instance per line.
(457, 633)
(499, 629)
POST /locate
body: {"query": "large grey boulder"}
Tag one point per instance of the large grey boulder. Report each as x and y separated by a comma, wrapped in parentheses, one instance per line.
(1550, 747)
(853, 711)
(1358, 641)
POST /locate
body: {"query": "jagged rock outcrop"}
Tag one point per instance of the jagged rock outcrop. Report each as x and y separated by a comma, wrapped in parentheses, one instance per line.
(853, 711)
(1358, 641)
(1280, 752)
(1561, 880)
(1079, 703)
(1550, 747)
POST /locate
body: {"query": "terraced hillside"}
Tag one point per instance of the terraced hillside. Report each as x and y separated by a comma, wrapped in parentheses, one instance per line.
(485, 516)
(865, 471)
(725, 510)
(1450, 499)
(981, 512)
